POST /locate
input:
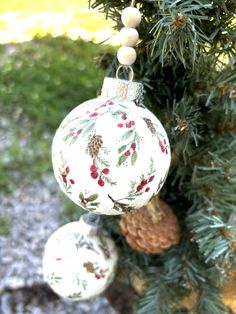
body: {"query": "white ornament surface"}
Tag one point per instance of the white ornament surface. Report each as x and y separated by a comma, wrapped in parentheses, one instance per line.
(79, 264)
(110, 156)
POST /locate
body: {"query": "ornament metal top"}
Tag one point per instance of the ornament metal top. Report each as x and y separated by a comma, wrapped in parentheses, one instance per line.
(109, 155)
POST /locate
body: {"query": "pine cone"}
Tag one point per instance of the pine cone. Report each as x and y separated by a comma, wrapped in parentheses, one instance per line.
(150, 125)
(151, 229)
(94, 145)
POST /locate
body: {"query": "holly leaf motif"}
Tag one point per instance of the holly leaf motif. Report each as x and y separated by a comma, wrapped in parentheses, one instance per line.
(121, 149)
(121, 160)
(93, 197)
(134, 158)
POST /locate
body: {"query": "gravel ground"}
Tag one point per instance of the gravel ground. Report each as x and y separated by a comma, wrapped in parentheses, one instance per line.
(34, 212)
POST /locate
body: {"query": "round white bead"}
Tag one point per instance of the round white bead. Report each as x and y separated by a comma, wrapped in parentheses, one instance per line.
(126, 55)
(128, 37)
(131, 17)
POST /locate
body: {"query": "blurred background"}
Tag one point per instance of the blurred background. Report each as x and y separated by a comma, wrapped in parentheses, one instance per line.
(49, 55)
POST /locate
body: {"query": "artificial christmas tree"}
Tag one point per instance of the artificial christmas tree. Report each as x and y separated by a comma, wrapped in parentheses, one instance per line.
(186, 61)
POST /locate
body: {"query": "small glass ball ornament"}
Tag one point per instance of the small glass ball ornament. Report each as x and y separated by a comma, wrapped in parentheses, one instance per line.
(79, 260)
(109, 155)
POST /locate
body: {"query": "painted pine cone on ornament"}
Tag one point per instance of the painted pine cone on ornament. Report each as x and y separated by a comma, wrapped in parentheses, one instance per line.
(151, 229)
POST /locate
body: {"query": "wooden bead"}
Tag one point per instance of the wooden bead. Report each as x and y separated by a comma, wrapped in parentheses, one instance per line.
(131, 17)
(126, 55)
(128, 37)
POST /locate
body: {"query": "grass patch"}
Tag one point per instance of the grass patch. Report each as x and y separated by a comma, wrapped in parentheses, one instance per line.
(41, 81)
(5, 225)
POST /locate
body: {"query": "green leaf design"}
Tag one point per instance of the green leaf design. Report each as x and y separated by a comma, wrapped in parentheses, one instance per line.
(89, 128)
(121, 149)
(94, 204)
(121, 160)
(127, 135)
(93, 197)
(73, 140)
(134, 158)
(75, 295)
(83, 121)
(81, 196)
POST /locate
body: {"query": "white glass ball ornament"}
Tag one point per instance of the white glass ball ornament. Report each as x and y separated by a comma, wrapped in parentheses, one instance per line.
(79, 261)
(109, 155)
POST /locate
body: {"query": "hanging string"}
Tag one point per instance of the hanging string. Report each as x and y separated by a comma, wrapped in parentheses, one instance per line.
(132, 3)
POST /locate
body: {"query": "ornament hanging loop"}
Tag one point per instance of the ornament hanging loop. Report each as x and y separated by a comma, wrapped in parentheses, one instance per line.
(129, 68)
(132, 3)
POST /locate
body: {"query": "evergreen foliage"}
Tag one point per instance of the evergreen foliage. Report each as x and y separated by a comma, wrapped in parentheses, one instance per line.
(187, 62)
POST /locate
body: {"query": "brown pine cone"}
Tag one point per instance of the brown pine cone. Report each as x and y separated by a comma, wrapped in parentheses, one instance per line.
(94, 145)
(150, 125)
(151, 229)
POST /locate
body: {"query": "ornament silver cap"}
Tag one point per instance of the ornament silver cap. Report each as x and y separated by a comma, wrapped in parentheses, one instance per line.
(122, 89)
(90, 223)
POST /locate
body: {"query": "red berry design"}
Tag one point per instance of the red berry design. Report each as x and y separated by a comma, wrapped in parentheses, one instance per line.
(132, 123)
(111, 103)
(72, 134)
(120, 125)
(127, 153)
(93, 168)
(139, 188)
(72, 181)
(94, 175)
(85, 201)
(97, 276)
(92, 115)
(143, 183)
(133, 146)
(166, 151)
(147, 189)
(105, 171)
(101, 182)
(164, 141)
(128, 125)
(161, 146)
(124, 117)
(58, 258)
(78, 132)
(67, 170)
(151, 179)
(64, 178)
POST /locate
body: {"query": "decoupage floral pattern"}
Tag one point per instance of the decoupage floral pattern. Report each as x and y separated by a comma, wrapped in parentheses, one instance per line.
(112, 165)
